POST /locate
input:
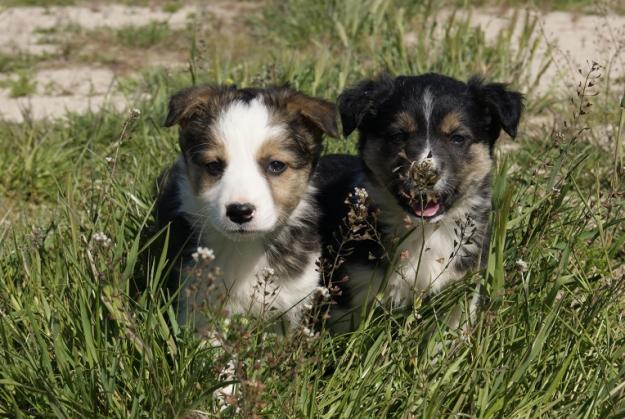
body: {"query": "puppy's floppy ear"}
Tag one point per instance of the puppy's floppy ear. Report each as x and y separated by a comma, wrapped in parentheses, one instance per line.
(504, 105)
(362, 99)
(184, 104)
(318, 112)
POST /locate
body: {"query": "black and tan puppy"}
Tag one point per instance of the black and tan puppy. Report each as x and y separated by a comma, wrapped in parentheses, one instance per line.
(239, 201)
(424, 173)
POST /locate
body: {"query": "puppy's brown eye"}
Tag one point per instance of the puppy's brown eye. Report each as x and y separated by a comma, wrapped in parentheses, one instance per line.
(215, 167)
(276, 167)
(457, 138)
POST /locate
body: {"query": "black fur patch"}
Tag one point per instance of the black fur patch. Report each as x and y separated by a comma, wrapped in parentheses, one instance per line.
(290, 247)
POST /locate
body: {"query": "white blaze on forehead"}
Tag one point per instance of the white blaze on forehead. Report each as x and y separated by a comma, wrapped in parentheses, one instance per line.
(243, 128)
(427, 104)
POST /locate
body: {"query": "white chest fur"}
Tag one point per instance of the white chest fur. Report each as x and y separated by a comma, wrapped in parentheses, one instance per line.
(423, 264)
(421, 259)
(240, 281)
(422, 267)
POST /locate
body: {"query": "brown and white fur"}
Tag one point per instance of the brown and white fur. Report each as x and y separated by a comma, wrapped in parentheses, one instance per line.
(242, 187)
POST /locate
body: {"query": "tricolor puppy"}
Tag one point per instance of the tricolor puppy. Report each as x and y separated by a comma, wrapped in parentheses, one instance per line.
(426, 154)
(242, 187)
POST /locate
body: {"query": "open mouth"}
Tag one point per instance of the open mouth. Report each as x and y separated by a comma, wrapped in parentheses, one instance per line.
(427, 206)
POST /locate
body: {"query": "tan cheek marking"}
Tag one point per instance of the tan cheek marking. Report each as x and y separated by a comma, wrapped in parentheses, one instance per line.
(479, 164)
(289, 188)
(199, 177)
(406, 122)
(450, 123)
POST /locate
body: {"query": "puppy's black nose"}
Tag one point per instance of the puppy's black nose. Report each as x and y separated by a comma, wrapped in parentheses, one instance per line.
(240, 213)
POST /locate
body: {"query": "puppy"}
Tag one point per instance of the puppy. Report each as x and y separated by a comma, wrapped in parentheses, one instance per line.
(423, 178)
(239, 201)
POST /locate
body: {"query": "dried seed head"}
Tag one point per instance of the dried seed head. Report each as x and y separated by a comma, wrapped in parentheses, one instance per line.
(521, 265)
(422, 175)
(102, 240)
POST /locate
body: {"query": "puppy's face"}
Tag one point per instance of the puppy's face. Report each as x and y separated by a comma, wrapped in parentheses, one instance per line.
(249, 153)
(428, 139)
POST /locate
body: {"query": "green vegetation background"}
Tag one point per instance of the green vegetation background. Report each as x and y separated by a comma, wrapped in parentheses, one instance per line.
(75, 341)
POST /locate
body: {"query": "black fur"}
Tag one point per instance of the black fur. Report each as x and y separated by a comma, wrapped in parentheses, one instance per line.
(387, 152)
(336, 177)
(180, 234)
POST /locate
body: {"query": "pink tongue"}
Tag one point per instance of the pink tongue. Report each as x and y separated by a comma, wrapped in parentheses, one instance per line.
(429, 210)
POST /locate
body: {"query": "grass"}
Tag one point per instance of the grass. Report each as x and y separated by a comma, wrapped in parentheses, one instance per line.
(19, 61)
(76, 340)
(23, 85)
(145, 36)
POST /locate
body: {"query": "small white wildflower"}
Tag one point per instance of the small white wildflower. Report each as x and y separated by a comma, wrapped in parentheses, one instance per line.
(203, 254)
(521, 265)
(102, 239)
(135, 112)
(361, 194)
(109, 159)
(309, 333)
(267, 272)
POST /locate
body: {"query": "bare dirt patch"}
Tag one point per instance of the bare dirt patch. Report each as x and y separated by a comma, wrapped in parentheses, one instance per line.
(79, 52)
(570, 40)
(23, 26)
(58, 91)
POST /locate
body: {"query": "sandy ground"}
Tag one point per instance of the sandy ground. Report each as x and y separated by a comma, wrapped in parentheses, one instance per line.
(21, 23)
(80, 88)
(574, 40)
(571, 41)
(58, 91)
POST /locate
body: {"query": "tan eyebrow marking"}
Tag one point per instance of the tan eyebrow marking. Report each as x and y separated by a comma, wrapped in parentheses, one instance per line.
(275, 148)
(406, 122)
(450, 122)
